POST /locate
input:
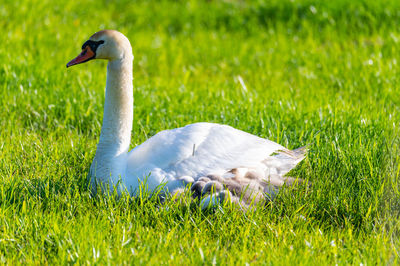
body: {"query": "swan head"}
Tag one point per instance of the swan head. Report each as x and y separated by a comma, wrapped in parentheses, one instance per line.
(106, 44)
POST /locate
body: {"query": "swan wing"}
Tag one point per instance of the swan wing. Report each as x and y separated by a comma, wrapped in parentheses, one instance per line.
(200, 149)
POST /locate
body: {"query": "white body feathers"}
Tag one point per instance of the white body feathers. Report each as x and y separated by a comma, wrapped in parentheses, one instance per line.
(196, 150)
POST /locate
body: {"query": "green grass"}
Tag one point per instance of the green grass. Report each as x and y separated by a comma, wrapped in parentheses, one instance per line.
(323, 73)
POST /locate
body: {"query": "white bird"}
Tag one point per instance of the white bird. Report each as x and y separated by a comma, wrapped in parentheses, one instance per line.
(215, 159)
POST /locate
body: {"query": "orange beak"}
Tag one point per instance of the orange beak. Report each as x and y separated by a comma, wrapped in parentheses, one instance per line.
(86, 55)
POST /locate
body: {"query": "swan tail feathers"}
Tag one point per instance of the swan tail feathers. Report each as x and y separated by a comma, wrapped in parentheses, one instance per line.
(282, 161)
(297, 155)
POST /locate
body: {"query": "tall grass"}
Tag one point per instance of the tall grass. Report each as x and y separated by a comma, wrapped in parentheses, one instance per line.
(322, 73)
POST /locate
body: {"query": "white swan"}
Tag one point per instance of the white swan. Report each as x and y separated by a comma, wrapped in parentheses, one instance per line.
(213, 157)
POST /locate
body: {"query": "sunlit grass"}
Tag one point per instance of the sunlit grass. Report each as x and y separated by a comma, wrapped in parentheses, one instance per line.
(322, 73)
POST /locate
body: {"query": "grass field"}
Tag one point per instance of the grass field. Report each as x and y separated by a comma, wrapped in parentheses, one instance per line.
(322, 73)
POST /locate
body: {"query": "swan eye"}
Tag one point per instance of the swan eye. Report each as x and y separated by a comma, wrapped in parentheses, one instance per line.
(92, 44)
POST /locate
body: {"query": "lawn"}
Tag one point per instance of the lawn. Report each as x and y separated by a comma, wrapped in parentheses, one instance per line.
(317, 73)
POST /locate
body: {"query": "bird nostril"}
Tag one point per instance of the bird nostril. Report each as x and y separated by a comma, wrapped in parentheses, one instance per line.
(84, 52)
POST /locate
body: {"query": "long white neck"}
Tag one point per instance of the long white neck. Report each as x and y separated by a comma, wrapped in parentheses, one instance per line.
(118, 108)
(110, 159)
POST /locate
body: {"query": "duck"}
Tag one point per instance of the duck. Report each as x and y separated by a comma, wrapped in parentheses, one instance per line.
(216, 162)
